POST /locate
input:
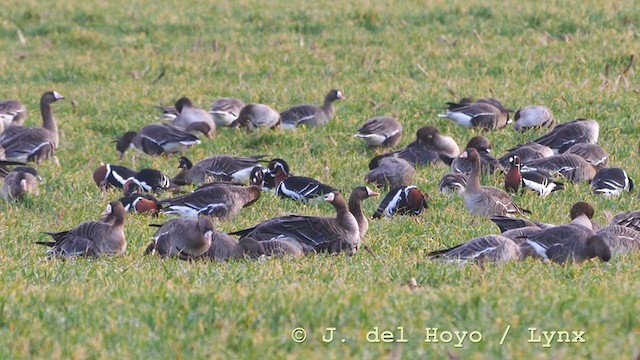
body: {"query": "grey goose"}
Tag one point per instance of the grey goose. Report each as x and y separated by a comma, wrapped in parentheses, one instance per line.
(496, 248)
(533, 117)
(565, 135)
(254, 116)
(225, 110)
(620, 239)
(630, 219)
(216, 168)
(572, 167)
(20, 181)
(592, 153)
(391, 172)
(188, 114)
(157, 139)
(488, 163)
(33, 144)
(311, 115)
(222, 201)
(183, 238)
(480, 115)
(382, 131)
(452, 183)
(526, 152)
(12, 113)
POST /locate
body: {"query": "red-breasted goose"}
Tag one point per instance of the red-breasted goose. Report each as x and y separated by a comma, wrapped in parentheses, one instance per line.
(526, 152)
(20, 181)
(111, 175)
(611, 182)
(156, 139)
(188, 114)
(216, 168)
(452, 183)
(391, 172)
(311, 115)
(402, 200)
(183, 238)
(33, 144)
(592, 153)
(314, 233)
(141, 203)
(298, 188)
(254, 116)
(565, 135)
(222, 201)
(540, 181)
(495, 248)
(479, 115)
(147, 180)
(571, 167)
(485, 200)
(225, 110)
(620, 239)
(533, 117)
(12, 112)
(383, 131)
(488, 163)
(91, 238)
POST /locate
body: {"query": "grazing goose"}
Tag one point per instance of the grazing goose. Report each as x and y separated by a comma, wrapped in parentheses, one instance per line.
(592, 153)
(313, 233)
(571, 167)
(298, 188)
(453, 183)
(311, 115)
(141, 203)
(147, 180)
(4, 167)
(91, 238)
(534, 117)
(222, 201)
(225, 110)
(427, 148)
(188, 115)
(110, 175)
(183, 238)
(381, 131)
(254, 116)
(620, 239)
(564, 136)
(526, 152)
(216, 168)
(402, 200)
(391, 172)
(540, 181)
(20, 181)
(611, 182)
(630, 219)
(33, 144)
(12, 113)
(488, 163)
(495, 248)
(485, 200)
(156, 139)
(479, 115)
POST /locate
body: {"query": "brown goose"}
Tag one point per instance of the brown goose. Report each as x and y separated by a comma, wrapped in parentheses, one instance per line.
(488, 163)
(22, 180)
(224, 247)
(564, 136)
(533, 117)
(222, 201)
(479, 115)
(156, 139)
(391, 172)
(33, 144)
(526, 152)
(630, 219)
(452, 183)
(592, 153)
(188, 115)
(183, 238)
(313, 233)
(12, 113)
(255, 116)
(311, 115)
(91, 238)
(216, 168)
(225, 110)
(571, 167)
(485, 248)
(355, 207)
(381, 131)
(485, 200)
(620, 239)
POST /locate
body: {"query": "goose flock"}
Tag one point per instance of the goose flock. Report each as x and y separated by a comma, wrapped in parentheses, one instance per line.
(226, 184)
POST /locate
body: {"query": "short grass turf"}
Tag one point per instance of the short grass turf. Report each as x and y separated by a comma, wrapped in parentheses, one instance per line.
(115, 60)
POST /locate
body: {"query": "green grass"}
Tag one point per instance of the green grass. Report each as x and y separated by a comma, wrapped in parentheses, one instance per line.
(105, 56)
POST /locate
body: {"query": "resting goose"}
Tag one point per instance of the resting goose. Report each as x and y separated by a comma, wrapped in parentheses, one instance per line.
(91, 238)
(526, 152)
(188, 115)
(298, 188)
(156, 139)
(391, 172)
(183, 238)
(572, 167)
(12, 113)
(533, 117)
(222, 201)
(620, 239)
(495, 248)
(611, 182)
(452, 183)
(313, 233)
(111, 175)
(630, 219)
(216, 168)
(540, 181)
(225, 110)
(33, 144)
(488, 163)
(383, 131)
(311, 115)
(20, 181)
(592, 153)
(402, 200)
(255, 116)
(564, 136)
(479, 115)
(485, 200)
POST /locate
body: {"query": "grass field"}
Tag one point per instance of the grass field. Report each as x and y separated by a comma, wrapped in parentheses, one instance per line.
(403, 59)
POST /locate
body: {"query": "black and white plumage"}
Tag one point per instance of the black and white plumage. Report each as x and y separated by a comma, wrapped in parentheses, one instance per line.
(540, 181)
(592, 153)
(12, 112)
(253, 116)
(611, 182)
(453, 183)
(222, 201)
(111, 175)
(565, 135)
(26, 144)
(481, 115)
(302, 188)
(381, 131)
(533, 117)
(495, 248)
(572, 167)
(216, 168)
(156, 139)
(402, 200)
(526, 152)
(225, 110)
(311, 115)
(147, 180)
(140, 203)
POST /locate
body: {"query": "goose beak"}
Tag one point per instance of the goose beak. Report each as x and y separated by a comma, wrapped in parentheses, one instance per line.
(464, 155)
(329, 197)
